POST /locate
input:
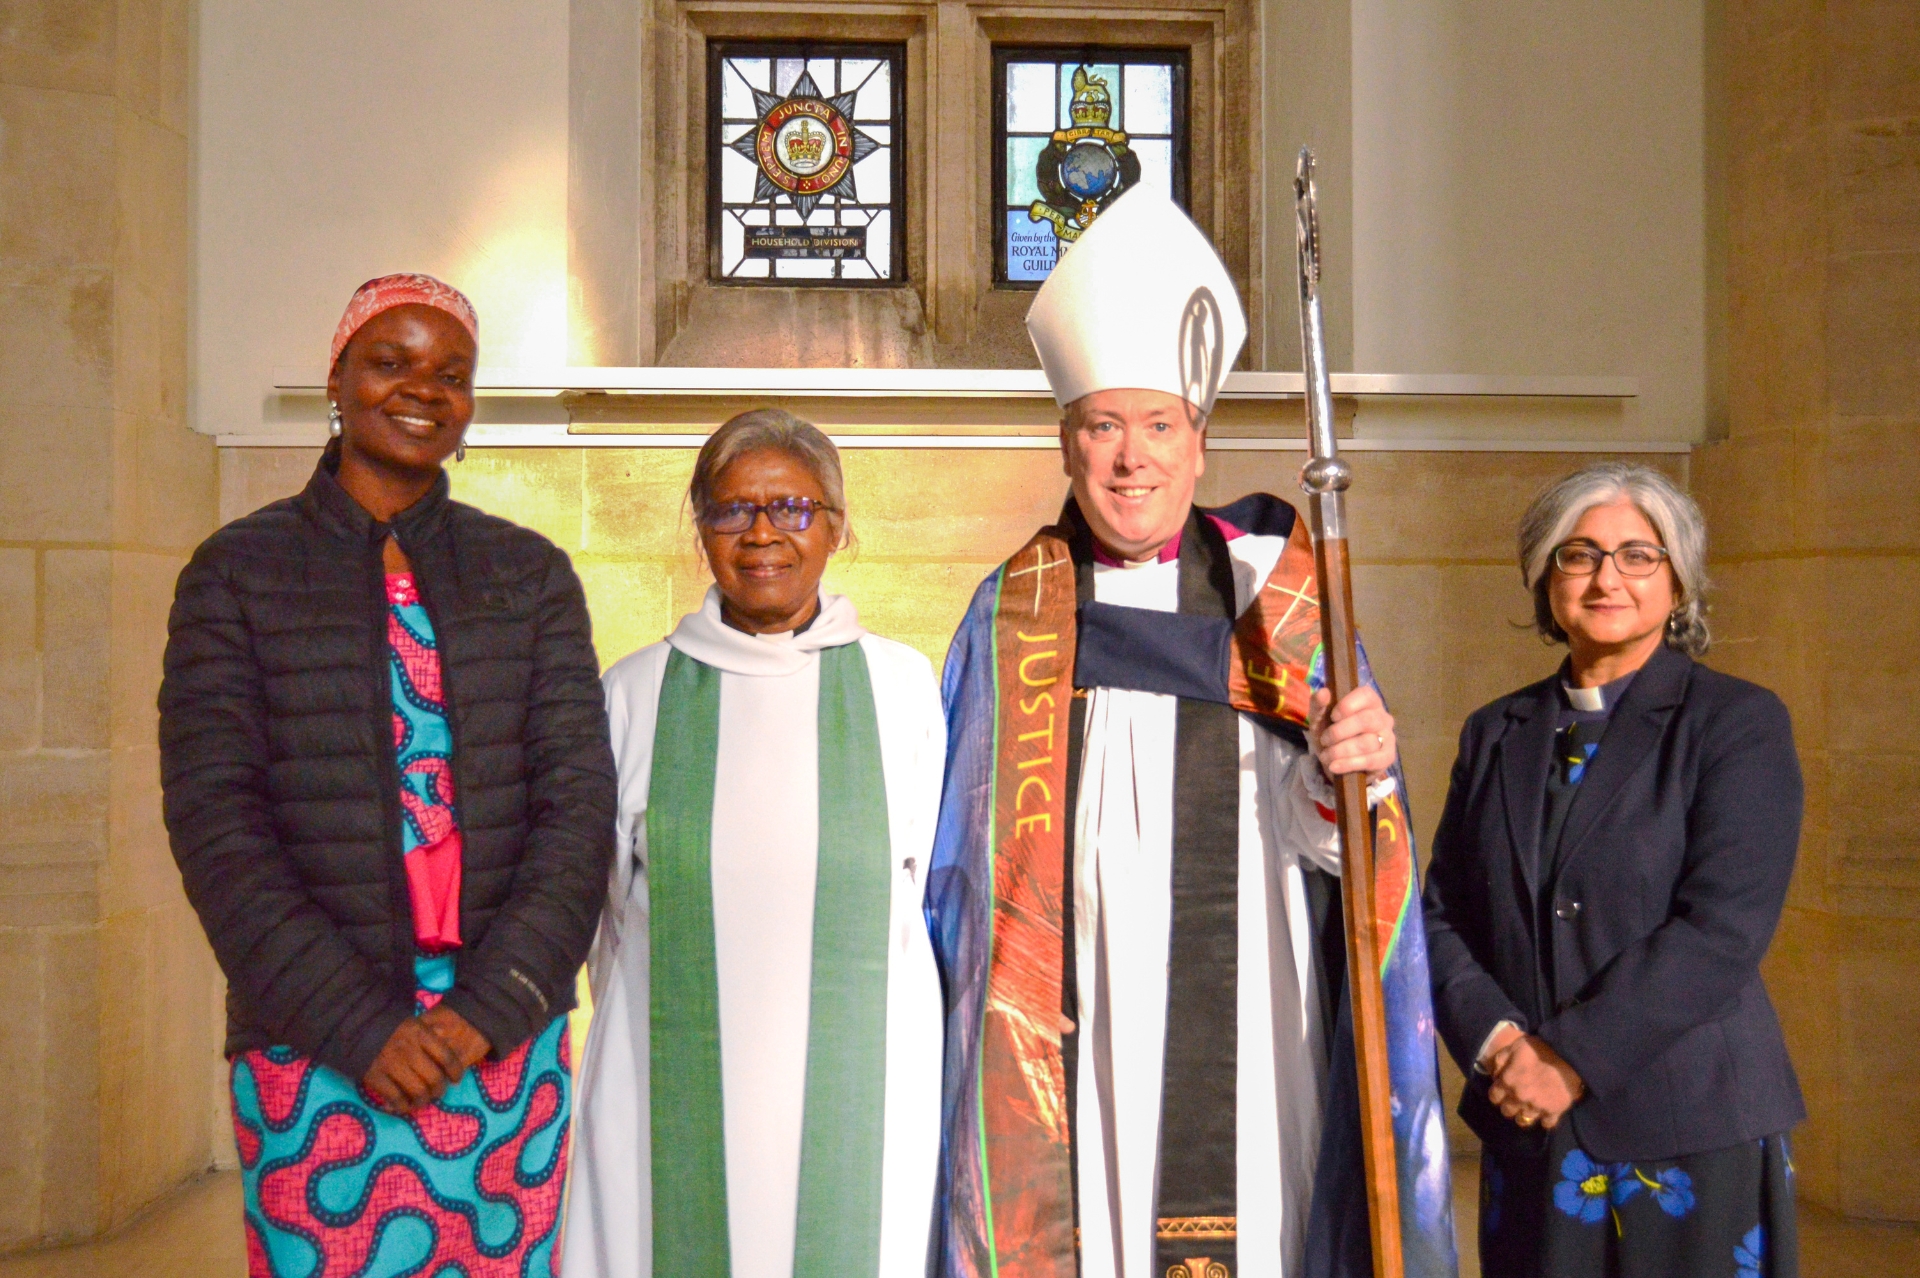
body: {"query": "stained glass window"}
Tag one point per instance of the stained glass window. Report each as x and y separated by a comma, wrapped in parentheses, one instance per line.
(1072, 130)
(805, 180)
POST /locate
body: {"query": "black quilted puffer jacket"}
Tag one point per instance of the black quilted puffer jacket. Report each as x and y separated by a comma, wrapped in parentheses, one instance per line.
(282, 787)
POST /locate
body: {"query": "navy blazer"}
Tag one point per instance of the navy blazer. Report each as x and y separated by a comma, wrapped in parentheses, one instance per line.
(1636, 953)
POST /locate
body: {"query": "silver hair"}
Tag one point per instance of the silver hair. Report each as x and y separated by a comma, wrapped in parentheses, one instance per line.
(1674, 516)
(781, 431)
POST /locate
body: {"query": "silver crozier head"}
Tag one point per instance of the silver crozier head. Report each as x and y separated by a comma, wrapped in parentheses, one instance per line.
(1324, 474)
(1306, 222)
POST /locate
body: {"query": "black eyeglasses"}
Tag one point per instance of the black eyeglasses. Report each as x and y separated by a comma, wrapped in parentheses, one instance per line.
(1634, 559)
(788, 514)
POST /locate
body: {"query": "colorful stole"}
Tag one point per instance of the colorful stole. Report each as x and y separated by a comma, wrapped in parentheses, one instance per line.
(838, 1227)
(1024, 1193)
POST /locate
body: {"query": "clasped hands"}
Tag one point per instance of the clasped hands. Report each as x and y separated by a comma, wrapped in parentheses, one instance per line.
(423, 1057)
(1531, 1083)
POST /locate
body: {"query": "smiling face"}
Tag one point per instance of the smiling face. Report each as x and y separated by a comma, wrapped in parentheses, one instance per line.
(1609, 618)
(769, 579)
(404, 387)
(1134, 457)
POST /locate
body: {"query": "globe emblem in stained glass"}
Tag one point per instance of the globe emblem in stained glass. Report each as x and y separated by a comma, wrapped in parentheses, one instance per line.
(1083, 168)
(1089, 170)
(805, 146)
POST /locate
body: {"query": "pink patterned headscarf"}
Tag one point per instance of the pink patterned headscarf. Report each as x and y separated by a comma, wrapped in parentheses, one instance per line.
(389, 291)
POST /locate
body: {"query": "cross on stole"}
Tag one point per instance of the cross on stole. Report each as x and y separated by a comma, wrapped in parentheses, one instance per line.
(1303, 594)
(1039, 569)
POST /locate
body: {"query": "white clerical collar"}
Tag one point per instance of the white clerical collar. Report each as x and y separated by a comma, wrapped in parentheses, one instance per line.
(705, 637)
(1600, 699)
(1591, 700)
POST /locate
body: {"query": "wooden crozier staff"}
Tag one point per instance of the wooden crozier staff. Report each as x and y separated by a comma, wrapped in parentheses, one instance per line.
(1325, 478)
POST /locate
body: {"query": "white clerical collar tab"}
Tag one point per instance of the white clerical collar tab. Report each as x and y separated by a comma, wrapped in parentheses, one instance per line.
(1587, 699)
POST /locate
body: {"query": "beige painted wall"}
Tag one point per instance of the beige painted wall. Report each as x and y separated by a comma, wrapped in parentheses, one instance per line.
(1815, 498)
(335, 142)
(107, 997)
(1528, 197)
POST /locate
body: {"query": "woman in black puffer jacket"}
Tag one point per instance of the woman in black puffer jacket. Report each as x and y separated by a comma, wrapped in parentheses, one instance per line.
(390, 793)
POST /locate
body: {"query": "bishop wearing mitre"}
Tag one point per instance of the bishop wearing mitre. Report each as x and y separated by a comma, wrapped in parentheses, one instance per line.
(1135, 887)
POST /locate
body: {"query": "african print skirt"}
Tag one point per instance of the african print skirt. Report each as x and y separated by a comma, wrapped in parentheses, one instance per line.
(1727, 1213)
(472, 1185)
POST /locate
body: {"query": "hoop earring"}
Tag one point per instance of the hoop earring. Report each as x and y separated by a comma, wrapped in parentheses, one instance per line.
(460, 449)
(333, 419)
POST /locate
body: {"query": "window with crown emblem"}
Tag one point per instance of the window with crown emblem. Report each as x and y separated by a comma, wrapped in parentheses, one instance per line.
(805, 180)
(1073, 130)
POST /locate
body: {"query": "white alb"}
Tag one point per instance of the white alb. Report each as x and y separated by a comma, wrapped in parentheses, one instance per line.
(765, 845)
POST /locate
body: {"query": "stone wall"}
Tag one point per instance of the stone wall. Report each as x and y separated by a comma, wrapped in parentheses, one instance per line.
(107, 1002)
(1814, 503)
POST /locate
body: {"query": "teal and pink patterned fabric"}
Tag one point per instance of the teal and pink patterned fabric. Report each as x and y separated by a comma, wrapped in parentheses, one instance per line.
(429, 829)
(334, 1185)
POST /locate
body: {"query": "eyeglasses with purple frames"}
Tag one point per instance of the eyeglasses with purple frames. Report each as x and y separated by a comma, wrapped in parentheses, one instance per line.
(788, 514)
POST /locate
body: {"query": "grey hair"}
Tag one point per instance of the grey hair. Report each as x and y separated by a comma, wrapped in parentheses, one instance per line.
(1675, 517)
(781, 431)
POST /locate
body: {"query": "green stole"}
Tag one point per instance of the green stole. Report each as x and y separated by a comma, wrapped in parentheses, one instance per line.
(838, 1228)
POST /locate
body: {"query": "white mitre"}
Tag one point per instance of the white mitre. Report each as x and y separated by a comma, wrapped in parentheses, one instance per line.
(1142, 301)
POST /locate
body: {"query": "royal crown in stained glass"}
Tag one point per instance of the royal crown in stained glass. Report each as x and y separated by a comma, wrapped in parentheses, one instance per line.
(806, 145)
(806, 180)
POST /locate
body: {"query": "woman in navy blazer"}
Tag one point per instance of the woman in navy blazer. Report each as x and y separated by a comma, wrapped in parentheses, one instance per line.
(1609, 870)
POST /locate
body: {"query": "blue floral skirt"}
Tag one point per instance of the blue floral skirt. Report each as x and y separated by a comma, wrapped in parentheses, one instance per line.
(1727, 1213)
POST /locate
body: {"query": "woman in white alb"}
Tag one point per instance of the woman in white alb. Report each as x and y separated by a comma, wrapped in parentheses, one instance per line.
(760, 1092)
